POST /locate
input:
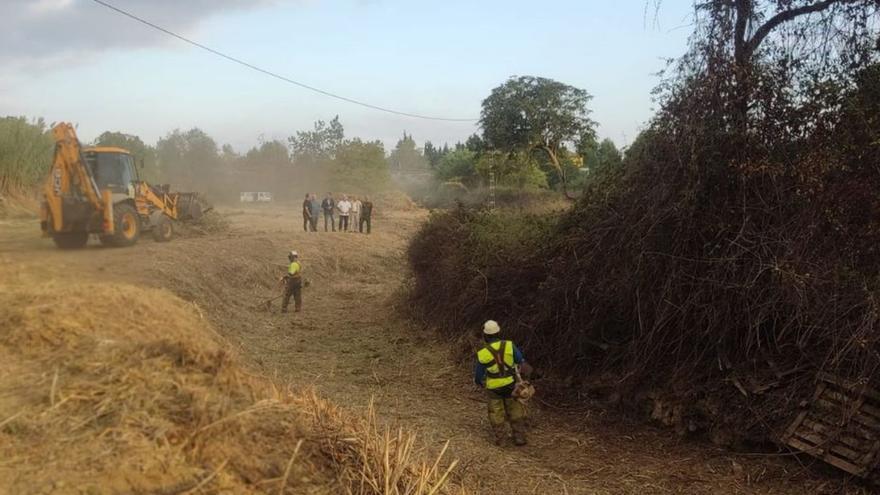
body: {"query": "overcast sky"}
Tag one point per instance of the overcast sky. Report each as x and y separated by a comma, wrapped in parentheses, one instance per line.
(77, 61)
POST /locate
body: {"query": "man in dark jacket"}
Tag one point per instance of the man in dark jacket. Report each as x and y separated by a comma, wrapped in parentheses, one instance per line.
(366, 215)
(329, 207)
(307, 213)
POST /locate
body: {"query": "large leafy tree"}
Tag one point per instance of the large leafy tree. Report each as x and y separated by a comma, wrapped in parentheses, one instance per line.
(319, 144)
(189, 159)
(529, 113)
(359, 167)
(269, 154)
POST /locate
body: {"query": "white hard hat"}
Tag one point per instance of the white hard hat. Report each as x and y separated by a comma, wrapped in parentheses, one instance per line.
(293, 254)
(491, 327)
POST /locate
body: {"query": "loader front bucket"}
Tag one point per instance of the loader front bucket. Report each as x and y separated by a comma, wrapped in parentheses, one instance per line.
(191, 206)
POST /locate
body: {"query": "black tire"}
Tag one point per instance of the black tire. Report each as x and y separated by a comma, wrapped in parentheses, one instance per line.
(163, 231)
(71, 240)
(126, 227)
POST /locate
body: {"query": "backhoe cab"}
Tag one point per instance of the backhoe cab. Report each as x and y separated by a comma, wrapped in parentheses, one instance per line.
(97, 191)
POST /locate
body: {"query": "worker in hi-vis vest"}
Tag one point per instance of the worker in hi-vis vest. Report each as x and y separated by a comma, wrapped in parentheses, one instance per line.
(292, 283)
(495, 370)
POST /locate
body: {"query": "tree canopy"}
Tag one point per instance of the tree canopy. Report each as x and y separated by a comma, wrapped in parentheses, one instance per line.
(406, 156)
(317, 144)
(188, 159)
(534, 113)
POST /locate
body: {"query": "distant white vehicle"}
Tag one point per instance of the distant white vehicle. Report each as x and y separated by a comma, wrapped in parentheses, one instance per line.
(251, 197)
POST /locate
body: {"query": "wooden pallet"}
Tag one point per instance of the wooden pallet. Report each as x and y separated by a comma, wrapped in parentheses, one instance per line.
(841, 426)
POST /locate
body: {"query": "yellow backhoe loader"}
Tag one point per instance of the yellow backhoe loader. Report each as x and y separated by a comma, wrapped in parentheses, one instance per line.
(97, 191)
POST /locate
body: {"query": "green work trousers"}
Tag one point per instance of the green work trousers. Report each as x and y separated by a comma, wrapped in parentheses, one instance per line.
(504, 409)
(292, 287)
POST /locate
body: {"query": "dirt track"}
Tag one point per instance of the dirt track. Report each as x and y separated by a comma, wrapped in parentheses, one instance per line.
(351, 343)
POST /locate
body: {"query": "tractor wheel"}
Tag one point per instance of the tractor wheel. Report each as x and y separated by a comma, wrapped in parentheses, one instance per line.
(126, 225)
(163, 231)
(70, 240)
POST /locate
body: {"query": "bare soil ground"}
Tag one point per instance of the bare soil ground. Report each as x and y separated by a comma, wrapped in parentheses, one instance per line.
(353, 345)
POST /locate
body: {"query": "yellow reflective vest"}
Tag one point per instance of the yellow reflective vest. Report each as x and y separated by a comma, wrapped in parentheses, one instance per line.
(497, 376)
(295, 269)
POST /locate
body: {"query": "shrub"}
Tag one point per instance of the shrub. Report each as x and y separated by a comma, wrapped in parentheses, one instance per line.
(26, 150)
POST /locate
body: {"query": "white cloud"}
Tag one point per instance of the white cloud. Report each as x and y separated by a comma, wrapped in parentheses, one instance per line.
(35, 34)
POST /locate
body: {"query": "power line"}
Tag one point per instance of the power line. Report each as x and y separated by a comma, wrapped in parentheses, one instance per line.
(270, 73)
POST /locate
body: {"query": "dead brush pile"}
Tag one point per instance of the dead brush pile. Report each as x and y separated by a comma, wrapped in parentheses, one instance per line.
(212, 222)
(116, 389)
(706, 282)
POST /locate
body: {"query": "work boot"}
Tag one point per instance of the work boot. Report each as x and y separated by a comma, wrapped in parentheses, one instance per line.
(500, 433)
(519, 433)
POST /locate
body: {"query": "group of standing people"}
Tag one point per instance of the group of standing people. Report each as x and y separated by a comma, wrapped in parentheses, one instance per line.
(354, 213)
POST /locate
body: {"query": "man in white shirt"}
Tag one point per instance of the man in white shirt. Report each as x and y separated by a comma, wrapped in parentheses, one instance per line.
(344, 207)
(355, 213)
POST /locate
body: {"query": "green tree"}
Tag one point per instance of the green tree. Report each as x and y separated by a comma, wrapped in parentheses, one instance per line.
(434, 154)
(319, 144)
(459, 166)
(406, 156)
(534, 113)
(518, 170)
(360, 167)
(143, 153)
(597, 155)
(270, 154)
(229, 156)
(475, 143)
(189, 160)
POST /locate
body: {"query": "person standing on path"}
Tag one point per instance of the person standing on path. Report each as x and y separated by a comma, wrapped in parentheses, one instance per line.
(329, 207)
(366, 215)
(307, 213)
(315, 209)
(355, 213)
(292, 283)
(495, 370)
(344, 207)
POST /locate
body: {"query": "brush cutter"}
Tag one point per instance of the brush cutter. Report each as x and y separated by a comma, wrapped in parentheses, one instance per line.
(523, 390)
(267, 304)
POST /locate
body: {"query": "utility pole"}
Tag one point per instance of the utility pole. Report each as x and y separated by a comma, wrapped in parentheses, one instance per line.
(492, 187)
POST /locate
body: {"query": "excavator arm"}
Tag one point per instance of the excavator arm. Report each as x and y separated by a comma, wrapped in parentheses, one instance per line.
(71, 179)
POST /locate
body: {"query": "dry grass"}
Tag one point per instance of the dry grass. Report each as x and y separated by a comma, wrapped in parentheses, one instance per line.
(116, 389)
